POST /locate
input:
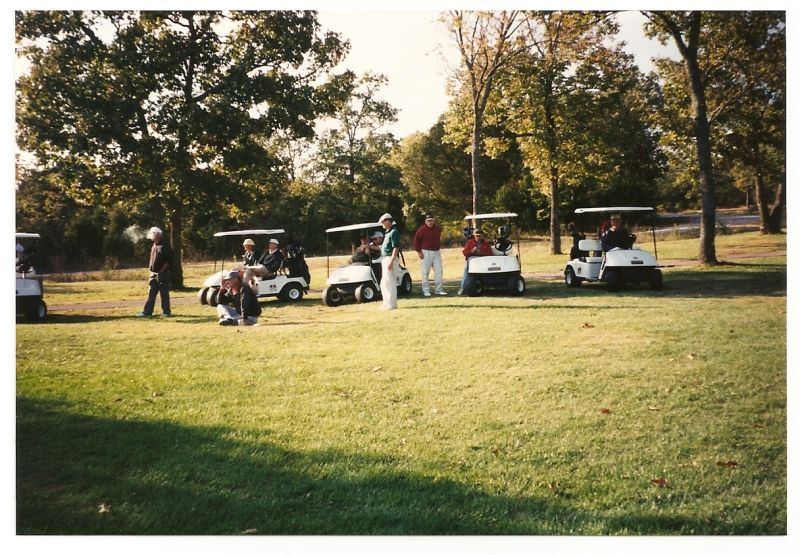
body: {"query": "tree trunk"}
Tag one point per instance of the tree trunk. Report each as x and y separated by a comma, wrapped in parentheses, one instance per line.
(552, 151)
(555, 225)
(702, 134)
(176, 226)
(770, 217)
(476, 160)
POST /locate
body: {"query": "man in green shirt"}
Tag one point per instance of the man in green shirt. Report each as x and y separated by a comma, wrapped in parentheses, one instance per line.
(390, 249)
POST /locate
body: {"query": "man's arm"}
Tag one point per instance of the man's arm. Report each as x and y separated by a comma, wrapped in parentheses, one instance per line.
(416, 243)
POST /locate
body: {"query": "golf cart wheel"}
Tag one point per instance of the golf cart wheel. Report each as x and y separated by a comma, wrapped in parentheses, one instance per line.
(473, 286)
(332, 297)
(405, 285)
(515, 285)
(365, 293)
(570, 279)
(656, 280)
(36, 310)
(212, 295)
(292, 292)
(201, 296)
(613, 279)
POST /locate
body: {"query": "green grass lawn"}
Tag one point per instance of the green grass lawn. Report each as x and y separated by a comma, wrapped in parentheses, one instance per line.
(563, 412)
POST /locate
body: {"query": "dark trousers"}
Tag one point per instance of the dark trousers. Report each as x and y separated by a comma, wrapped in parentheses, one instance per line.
(159, 283)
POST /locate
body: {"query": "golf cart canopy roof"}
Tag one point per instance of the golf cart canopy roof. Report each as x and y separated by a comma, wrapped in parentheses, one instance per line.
(352, 227)
(28, 236)
(249, 232)
(615, 209)
(491, 216)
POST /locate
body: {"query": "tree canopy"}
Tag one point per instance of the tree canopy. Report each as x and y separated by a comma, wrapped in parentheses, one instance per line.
(197, 121)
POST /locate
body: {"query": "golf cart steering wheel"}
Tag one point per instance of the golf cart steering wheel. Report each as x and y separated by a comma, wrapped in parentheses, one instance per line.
(502, 244)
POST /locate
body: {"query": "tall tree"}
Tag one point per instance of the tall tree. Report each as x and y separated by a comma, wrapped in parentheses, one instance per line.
(351, 167)
(686, 30)
(488, 44)
(435, 173)
(168, 106)
(748, 89)
(541, 88)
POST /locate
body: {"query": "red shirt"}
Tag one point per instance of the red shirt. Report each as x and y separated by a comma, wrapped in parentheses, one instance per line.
(428, 238)
(485, 249)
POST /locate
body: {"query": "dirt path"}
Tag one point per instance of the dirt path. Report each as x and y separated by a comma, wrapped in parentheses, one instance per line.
(186, 299)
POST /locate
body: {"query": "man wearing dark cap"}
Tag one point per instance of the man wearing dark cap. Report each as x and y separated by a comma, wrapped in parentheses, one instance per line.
(428, 242)
(476, 246)
(237, 304)
(616, 236)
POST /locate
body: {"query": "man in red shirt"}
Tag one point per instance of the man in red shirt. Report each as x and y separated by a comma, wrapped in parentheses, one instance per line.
(428, 242)
(476, 246)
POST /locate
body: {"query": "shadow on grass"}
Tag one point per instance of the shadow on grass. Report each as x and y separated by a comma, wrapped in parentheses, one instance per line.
(77, 318)
(724, 281)
(80, 474)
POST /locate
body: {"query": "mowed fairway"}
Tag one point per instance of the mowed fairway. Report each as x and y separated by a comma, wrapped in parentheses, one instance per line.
(562, 412)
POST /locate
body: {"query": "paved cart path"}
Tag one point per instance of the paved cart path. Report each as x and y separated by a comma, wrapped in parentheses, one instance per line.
(190, 298)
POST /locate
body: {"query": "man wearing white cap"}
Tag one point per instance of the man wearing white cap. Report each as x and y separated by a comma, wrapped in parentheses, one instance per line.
(390, 249)
(160, 265)
(249, 256)
(269, 263)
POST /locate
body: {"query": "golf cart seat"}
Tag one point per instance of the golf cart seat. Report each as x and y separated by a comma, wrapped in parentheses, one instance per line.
(590, 245)
(593, 246)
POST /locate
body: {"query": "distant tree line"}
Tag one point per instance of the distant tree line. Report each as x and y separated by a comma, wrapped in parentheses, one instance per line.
(205, 121)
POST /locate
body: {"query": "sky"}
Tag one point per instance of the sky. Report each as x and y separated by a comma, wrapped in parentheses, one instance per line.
(414, 51)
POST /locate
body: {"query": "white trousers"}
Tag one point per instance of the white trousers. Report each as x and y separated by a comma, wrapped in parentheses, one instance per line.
(227, 312)
(388, 284)
(431, 258)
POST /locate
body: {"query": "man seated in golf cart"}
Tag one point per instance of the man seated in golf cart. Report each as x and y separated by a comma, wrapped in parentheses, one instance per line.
(266, 266)
(369, 249)
(616, 236)
(476, 246)
(249, 256)
(23, 261)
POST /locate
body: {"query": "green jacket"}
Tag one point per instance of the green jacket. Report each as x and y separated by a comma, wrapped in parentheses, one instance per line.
(391, 241)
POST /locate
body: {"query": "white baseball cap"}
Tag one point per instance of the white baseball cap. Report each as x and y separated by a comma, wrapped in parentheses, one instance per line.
(248, 241)
(154, 231)
(273, 240)
(386, 216)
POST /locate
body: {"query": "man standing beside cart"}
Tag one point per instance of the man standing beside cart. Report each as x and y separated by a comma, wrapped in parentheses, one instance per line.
(390, 250)
(428, 242)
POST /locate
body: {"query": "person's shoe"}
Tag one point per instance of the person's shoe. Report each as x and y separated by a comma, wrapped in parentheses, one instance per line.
(460, 291)
(228, 322)
(442, 293)
(427, 293)
(143, 315)
(166, 315)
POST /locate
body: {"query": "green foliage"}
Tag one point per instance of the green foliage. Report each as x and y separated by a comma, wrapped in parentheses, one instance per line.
(743, 58)
(169, 106)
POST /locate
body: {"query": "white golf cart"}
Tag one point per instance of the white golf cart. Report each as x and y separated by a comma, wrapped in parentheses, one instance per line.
(501, 270)
(30, 289)
(617, 266)
(289, 283)
(360, 280)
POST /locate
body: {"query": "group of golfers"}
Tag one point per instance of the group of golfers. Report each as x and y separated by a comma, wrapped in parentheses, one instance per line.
(238, 304)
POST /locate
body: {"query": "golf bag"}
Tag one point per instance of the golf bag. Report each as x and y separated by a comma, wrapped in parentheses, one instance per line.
(295, 261)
